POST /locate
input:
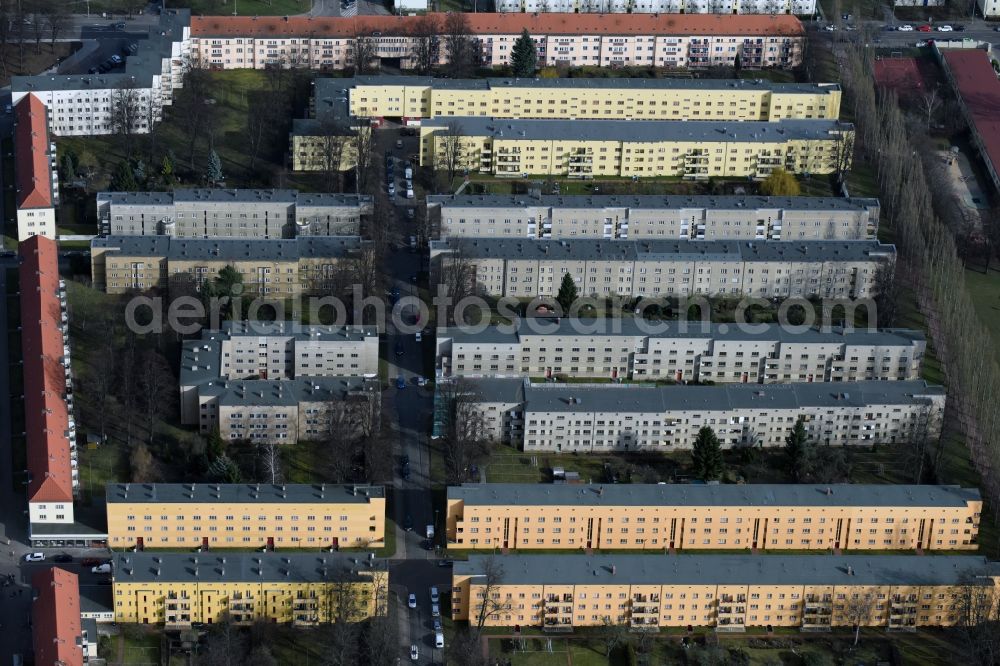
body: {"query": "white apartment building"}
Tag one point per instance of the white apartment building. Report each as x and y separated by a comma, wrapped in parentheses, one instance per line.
(657, 268)
(988, 8)
(799, 7)
(599, 418)
(271, 381)
(81, 104)
(231, 213)
(665, 40)
(678, 351)
(654, 216)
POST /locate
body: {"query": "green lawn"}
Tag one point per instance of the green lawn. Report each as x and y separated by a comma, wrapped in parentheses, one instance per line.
(984, 288)
(142, 649)
(231, 92)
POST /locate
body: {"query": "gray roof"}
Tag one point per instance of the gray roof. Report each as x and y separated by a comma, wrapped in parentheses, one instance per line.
(691, 131)
(579, 249)
(212, 249)
(643, 398)
(652, 202)
(139, 68)
(566, 569)
(629, 327)
(96, 599)
(236, 567)
(241, 493)
(588, 82)
(185, 195)
(743, 495)
(200, 360)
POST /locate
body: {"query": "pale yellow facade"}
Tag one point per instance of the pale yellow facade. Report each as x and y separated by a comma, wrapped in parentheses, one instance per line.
(705, 597)
(508, 150)
(572, 99)
(120, 267)
(298, 517)
(178, 590)
(748, 521)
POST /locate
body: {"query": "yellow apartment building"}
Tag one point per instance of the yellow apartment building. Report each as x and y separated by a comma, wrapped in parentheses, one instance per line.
(244, 515)
(727, 592)
(691, 149)
(179, 589)
(416, 98)
(273, 268)
(521, 516)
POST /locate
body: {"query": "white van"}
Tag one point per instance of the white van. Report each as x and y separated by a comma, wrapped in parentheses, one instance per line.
(439, 640)
(102, 568)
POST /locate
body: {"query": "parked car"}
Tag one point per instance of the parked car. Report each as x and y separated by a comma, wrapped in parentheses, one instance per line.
(446, 563)
(101, 568)
(91, 561)
(959, 28)
(7, 108)
(411, 213)
(399, 144)
(400, 382)
(408, 523)
(944, 28)
(830, 27)
(34, 557)
(437, 624)
(392, 189)
(62, 558)
(119, 26)
(116, 59)
(414, 652)
(438, 640)
(925, 28)
(906, 28)
(435, 610)
(412, 601)
(435, 596)
(418, 336)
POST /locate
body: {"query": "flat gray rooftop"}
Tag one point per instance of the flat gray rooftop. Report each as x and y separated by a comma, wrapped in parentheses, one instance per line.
(742, 495)
(652, 202)
(649, 131)
(211, 249)
(566, 569)
(183, 195)
(579, 249)
(291, 329)
(241, 493)
(144, 567)
(643, 398)
(629, 327)
(139, 69)
(582, 83)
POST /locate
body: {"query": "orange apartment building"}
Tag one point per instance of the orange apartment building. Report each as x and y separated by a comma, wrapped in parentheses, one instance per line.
(727, 592)
(758, 517)
(245, 515)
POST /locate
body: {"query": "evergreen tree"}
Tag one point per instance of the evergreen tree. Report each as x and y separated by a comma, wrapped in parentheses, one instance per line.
(737, 66)
(707, 455)
(69, 169)
(214, 447)
(524, 58)
(139, 170)
(567, 293)
(123, 179)
(214, 172)
(800, 452)
(167, 171)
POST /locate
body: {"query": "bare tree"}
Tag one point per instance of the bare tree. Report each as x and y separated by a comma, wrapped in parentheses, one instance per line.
(334, 144)
(487, 604)
(858, 609)
(155, 383)
(59, 19)
(466, 440)
(143, 467)
(259, 128)
(450, 151)
(364, 54)
(272, 466)
(192, 108)
(843, 153)
(38, 29)
(426, 44)
(462, 47)
(614, 634)
(381, 635)
(347, 609)
(457, 275)
(930, 102)
(364, 151)
(887, 296)
(978, 622)
(128, 111)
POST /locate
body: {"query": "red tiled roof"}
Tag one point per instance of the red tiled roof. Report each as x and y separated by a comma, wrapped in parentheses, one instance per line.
(31, 148)
(55, 616)
(980, 90)
(504, 24)
(46, 418)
